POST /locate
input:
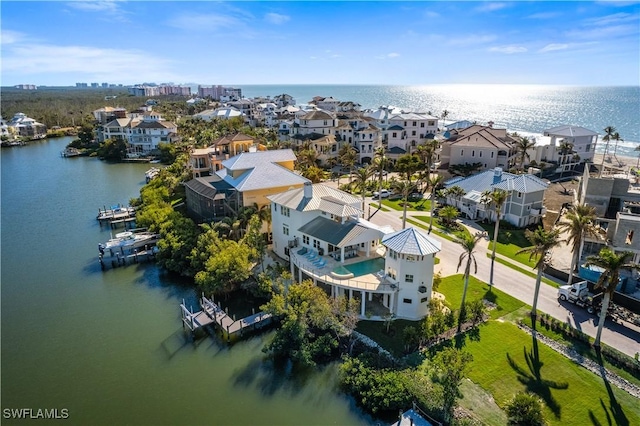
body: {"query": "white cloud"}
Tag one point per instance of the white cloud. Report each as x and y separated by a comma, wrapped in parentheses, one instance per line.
(431, 14)
(393, 55)
(388, 56)
(616, 18)
(553, 47)
(96, 63)
(544, 15)
(471, 39)
(604, 32)
(96, 6)
(491, 7)
(509, 50)
(276, 18)
(10, 37)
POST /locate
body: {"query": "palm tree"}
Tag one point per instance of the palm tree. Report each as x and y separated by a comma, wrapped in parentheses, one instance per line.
(348, 158)
(404, 187)
(456, 192)
(444, 115)
(434, 183)
(616, 137)
(523, 145)
(612, 264)
(361, 177)
(496, 199)
(378, 164)
(468, 243)
(638, 149)
(579, 224)
(542, 242)
(609, 131)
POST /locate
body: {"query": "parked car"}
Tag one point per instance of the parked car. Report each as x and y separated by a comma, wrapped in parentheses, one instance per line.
(384, 193)
(415, 196)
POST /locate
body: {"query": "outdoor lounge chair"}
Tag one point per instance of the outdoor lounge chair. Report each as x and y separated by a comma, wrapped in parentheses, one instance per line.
(320, 263)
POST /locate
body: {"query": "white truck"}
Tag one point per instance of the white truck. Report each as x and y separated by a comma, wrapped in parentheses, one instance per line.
(579, 294)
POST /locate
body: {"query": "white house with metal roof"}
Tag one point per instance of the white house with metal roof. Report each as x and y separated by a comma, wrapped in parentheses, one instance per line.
(319, 229)
(524, 205)
(583, 140)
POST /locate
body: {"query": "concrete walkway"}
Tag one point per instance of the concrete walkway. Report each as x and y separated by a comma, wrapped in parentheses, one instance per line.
(625, 337)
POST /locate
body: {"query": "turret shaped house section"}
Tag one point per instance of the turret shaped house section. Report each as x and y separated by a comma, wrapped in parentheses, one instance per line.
(320, 230)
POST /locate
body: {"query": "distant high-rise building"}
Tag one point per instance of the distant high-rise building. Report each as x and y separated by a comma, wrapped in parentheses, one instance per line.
(81, 85)
(220, 92)
(105, 84)
(26, 86)
(94, 84)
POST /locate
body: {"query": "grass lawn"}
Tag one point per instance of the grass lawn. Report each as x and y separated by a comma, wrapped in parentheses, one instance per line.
(505, 361)
(391, 341)
(438, 229)
(453, 285)
(526, 271)
(422, 205)
(509, 243)
(382, 207)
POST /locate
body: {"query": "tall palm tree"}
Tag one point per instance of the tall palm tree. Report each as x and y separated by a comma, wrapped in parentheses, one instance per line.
(457, 192)
(468, 243)
(434, 183)
(542, 242)
(609, 131)
(379, 163)
(579, 224)
(612, 264)
(496, 199)
(616, 137)
(523, 145)
(444, 115)
(348, 158)
(361, 177)
(404, 187)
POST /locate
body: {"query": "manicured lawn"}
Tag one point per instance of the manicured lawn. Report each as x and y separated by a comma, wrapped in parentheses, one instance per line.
(437, 228)
(422, 205)
(526, 271)
(453, 286)
(383, 208)
(505, 361)
(509, 243)
(391, 341)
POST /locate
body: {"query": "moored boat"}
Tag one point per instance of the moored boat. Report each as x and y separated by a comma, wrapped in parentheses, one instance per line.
(128, 242)
(151, 173)
(70, 152)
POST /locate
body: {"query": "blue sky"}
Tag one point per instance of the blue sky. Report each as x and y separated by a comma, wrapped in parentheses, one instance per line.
(298, 42)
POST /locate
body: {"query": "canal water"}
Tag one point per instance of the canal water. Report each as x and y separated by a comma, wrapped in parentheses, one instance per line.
(109, 346)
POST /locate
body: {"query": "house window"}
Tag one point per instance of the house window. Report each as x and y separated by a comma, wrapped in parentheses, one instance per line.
(519, 194)
(284, 211)
(461, 152)
(421, 124)
(424, 300)
(411, 258)
(285, 229)
(392, 273)
(305, 239)
(407, 301)
(393, 134)
(492, 154)
(480, 154)
(473, 153)
(587, 148)
(629, 239)
(408, 278)
(316, 244)
(413, 133)
(431, 123)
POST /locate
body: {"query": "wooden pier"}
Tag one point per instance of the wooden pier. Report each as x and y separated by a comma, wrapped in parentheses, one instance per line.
(117, 215)
(211, 313)
(118, 259)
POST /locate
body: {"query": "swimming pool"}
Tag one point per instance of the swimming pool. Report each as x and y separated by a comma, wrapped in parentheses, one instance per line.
(370, 266)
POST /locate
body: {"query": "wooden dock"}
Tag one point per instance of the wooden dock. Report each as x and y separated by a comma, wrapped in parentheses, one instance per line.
(211, 313)
(117, 215)
(118, 259)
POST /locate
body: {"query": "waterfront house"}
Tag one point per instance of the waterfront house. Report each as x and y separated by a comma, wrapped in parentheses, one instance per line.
(146, 132)
(319, 229)
(524, 206)
(315, 121)
(206, 161)
(26, 127)
(583, 140)
(219, 113)
(486, 145)
(244, 180)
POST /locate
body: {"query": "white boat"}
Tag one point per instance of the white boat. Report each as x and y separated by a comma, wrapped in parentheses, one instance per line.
(70, 152)
(151, 173)
(128, 242)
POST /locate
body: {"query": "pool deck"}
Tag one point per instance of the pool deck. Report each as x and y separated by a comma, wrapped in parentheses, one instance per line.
(368, 282)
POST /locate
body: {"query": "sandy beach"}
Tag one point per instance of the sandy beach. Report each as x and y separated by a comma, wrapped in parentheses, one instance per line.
(616, 161)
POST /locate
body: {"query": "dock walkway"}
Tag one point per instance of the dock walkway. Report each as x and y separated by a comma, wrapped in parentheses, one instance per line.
(211, 313)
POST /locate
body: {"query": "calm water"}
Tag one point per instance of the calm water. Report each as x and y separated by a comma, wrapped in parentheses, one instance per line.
(522, 108)
(108, 346)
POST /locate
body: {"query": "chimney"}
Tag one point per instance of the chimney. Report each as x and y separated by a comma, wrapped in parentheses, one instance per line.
(308, 190)
(497, 174)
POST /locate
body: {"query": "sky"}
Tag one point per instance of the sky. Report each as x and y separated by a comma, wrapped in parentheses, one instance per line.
(302, 42)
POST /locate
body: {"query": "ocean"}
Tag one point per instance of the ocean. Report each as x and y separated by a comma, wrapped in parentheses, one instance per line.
(527, 109)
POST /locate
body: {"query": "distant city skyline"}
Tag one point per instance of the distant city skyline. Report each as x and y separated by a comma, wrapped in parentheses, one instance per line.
(298, 42)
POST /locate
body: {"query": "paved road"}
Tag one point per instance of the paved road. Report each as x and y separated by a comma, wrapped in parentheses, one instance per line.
(625, 337)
